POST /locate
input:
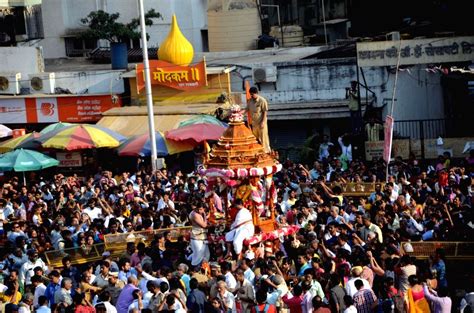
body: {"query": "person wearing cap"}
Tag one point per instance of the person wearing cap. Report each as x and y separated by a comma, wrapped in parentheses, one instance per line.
(350, 287)
(242, 228)
(114, 287)
(199, 225)
(257, 107)
(27, 269)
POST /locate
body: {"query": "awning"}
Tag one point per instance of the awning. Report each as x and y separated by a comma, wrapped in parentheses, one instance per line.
(309, 110)
(133, 120)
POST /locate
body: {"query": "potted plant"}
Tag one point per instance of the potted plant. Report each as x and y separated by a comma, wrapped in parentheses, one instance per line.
(103, 25)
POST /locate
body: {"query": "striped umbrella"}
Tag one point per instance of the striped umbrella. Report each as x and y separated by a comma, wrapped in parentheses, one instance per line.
(81, 136)
(196, 132)
(27, 141)
(141, 146)
(202, 119)
(54, 127)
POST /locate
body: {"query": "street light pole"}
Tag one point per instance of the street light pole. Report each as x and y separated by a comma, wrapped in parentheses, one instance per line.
(149, 98)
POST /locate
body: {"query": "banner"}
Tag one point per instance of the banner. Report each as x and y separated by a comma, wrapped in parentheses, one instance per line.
(387, 143)
(415, 51)
(74, 109)
(374, 149)
(174, 76)
(69, 159)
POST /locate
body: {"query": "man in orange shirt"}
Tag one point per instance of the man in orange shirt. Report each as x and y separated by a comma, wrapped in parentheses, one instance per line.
(262, 306)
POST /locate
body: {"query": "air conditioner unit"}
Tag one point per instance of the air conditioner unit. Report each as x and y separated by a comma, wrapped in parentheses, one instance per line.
(267, 74)
(10, 83)
(42, 83)
(394, 36)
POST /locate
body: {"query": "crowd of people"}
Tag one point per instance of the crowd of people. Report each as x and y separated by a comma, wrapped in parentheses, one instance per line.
(346, 256)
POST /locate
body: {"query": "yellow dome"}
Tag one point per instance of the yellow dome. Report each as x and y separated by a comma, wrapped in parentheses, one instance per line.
(176, 49)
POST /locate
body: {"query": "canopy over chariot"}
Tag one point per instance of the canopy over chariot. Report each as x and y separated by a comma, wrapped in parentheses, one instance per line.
(237, 167)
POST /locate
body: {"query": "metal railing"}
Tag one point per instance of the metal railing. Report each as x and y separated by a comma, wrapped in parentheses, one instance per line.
(357, 189)
(79, 255)
(115, 244)
(433, 128)
(118, 242)
(453, 249)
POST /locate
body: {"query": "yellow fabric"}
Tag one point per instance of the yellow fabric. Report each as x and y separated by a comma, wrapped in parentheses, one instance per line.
(138, 124)
(100, 138)
(419, 306)
(15, 299)
(11, 144)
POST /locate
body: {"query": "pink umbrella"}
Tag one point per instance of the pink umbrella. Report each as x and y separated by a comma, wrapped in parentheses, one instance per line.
(196, 132)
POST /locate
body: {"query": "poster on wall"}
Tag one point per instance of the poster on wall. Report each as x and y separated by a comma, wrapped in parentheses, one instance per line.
(374, 150)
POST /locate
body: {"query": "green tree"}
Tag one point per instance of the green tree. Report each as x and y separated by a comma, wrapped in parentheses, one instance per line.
(103, 25)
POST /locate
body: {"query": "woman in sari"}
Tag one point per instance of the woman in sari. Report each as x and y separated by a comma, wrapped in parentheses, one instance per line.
(417, 302)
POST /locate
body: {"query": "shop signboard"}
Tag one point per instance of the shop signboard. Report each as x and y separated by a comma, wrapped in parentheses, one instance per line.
(73, 109)
(69, 159)
(416, 51)
(173, 76)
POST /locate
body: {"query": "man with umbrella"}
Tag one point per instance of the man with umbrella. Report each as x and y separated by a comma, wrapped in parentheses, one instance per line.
(257, 106)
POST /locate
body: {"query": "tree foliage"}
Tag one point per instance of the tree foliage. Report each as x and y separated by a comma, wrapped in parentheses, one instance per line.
(103, 25)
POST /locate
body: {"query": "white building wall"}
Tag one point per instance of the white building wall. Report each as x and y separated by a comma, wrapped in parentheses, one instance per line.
(418, 96)
(60, 16)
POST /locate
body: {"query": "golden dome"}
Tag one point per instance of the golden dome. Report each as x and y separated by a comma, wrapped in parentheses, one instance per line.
(176, 49)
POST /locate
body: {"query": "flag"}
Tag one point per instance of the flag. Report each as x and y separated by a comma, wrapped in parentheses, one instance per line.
(387, 144)
(247, 96)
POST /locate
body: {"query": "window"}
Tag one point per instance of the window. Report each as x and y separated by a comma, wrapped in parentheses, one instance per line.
(78, 47)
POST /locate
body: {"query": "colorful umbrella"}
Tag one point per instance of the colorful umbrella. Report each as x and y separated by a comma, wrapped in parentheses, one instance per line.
(196, 132)
(27, 141)
(141, 146)
(5, 131)
(54, 127)
(202, 119)
(81, 136)
(23, 160)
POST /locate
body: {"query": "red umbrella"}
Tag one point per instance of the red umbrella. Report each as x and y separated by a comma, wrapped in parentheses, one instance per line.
(196, 132)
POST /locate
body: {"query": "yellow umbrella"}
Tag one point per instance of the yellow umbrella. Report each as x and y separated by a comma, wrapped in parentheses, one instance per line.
(81, 136)
(24, 141)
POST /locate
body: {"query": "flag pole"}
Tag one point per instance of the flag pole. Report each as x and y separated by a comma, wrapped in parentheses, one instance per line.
(148, 93)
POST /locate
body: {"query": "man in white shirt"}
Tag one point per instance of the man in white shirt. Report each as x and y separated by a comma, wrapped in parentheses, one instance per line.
(350, 286)
(230, 280)
(92, 211)
(27, 269)
(226, 297)
(165, 201)
(345, 149)
(242, 228)
(324, 148)
(40, 289)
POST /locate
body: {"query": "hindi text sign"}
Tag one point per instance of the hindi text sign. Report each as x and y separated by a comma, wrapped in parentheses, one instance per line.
(173, 76)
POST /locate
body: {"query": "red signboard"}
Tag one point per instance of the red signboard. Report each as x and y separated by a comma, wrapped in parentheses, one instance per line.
(174, 76)
(56, 109)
